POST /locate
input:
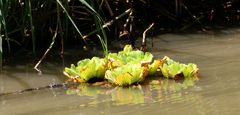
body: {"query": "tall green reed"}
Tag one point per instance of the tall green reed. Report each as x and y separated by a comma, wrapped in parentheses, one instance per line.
(3, 27)
(5, 13)
(97, 19)
(1, 48)
(22, 22)
(29, 14)
(98, 22)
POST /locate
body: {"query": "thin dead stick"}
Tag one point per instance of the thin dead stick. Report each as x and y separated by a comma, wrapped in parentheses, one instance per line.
(144, 45)
(44, 55)
(55, 35)
(50, 46)
(109, 23)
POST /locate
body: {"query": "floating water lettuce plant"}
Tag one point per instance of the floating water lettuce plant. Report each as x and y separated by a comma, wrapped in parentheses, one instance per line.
(128, 67)
(126, 74)
(173, 69)
(128, 56)
(86, 69)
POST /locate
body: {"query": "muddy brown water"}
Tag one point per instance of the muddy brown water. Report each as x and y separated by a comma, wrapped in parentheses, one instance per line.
(216, 93)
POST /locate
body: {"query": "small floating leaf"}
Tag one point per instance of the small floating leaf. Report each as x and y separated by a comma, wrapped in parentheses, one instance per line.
(152, 68)
(190, 70)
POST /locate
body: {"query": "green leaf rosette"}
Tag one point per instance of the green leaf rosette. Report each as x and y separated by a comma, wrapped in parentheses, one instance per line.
(126, 74)
(173, 69)
(86, 69)
(190, 70)
(127, 67)
(128, 56)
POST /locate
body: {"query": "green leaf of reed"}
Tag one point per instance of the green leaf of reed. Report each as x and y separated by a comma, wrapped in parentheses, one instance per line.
(69, 17)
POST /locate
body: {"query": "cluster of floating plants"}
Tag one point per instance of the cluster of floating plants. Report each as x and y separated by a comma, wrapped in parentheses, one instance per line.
(128, 67)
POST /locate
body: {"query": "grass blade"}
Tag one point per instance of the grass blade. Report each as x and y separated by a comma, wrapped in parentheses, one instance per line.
(3, 13)
(29, 14)
(1, 48)
(99, 22)
(69, 17)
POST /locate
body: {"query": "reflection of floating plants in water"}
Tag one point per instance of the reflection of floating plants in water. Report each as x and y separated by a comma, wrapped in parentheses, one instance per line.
(118, 95)
(85, 90)
(156, 91)
(170, 90)
(128, 67)
(128, 95)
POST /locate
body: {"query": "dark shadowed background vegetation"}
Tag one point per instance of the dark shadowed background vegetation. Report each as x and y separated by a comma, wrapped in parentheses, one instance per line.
(31, 27)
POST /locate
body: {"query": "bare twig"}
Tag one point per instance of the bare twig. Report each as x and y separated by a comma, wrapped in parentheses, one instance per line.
(50, 46)
(109, 23)
(144, 45)
(44, 55)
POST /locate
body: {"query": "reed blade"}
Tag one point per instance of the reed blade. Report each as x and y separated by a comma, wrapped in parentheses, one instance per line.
(71, 20)
(29, 14)
(1, 50)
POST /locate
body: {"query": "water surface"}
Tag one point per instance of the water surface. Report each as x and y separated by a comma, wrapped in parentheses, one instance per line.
(217, 91)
